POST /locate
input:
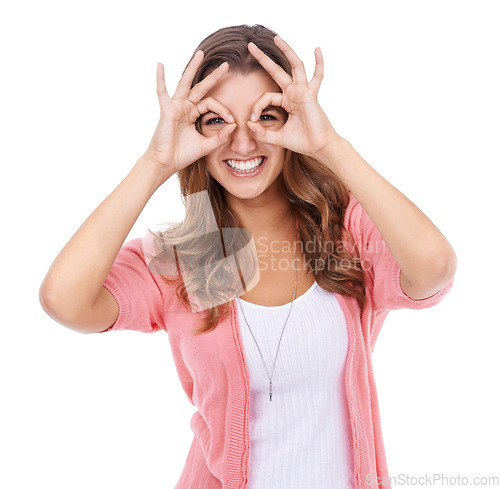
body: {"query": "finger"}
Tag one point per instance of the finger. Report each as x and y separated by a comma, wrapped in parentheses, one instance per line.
(269, 98)
(202, 88)
(221, 137)
(319, 71)
(298, 68)
(210, 104)
(161, 88)
(266, 135)
(184, 84)
(279, 75)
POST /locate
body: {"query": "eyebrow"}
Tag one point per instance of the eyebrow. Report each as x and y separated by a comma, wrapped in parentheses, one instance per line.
(267, 109)
(271, 107)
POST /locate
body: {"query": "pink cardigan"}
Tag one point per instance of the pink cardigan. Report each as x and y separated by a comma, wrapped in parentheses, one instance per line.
(212, 370)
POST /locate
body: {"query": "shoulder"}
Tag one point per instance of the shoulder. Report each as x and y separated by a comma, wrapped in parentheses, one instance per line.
(354, 217)
(353, 208)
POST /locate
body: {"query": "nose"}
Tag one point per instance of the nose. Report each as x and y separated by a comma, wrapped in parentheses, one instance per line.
(242, 140)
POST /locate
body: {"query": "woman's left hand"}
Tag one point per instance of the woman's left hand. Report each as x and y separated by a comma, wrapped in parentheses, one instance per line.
(307, 130)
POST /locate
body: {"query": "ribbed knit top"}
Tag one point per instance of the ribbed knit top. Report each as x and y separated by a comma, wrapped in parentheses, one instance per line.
(302, 438)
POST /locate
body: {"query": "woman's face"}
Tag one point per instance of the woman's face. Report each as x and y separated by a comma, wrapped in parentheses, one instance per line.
(239, 94)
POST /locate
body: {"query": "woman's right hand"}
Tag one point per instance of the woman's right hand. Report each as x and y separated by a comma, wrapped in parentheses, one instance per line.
(176, 143)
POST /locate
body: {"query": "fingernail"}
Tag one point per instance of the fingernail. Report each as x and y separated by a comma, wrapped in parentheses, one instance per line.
(230, 118)
(253, 117)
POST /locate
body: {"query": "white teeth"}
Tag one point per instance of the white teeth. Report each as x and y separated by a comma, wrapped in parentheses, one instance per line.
(245, 166)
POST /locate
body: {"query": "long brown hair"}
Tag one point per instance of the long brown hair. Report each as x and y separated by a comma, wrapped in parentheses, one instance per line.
(317, 197)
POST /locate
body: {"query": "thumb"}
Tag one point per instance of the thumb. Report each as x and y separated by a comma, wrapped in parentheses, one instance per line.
(265, 135)
(219, 139)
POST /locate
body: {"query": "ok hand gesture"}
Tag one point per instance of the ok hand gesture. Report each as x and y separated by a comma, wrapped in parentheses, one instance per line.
(176, 143)
(307, 130)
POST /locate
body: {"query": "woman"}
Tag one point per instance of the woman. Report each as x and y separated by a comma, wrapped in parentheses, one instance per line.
(337, 246)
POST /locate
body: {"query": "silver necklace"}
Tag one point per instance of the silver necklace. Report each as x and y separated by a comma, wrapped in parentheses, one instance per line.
(290, 310)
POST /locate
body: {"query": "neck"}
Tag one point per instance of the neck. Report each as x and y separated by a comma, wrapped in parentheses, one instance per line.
(264, 215)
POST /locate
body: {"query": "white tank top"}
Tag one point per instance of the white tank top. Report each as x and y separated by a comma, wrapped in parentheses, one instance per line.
(302, 438)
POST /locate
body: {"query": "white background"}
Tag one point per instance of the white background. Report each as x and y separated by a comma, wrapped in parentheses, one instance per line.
(412, 85)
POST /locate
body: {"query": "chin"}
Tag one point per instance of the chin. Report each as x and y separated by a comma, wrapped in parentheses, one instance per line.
(244, 194)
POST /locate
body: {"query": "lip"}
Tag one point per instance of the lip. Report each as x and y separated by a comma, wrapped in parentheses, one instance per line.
(245, 175)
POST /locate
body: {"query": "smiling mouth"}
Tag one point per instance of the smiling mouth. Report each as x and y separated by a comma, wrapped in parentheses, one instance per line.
(245, 166)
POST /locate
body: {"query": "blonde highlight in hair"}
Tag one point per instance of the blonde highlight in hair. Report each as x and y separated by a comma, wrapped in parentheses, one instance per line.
(318, 199)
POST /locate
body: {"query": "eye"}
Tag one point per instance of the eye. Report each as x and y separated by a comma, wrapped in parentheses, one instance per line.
(220, 120)
(213, 121)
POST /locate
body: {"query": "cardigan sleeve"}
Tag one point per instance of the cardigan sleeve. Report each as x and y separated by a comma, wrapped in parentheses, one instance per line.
(137, 291)
(382, 273)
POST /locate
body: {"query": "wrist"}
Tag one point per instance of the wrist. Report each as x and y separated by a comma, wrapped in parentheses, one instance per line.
(153, 173)
(331, 152)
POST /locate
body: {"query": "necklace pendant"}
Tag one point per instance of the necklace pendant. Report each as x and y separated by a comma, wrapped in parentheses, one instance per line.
(270, 390)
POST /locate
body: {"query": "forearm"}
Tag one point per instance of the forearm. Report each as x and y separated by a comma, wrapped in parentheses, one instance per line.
(77, 275)
(422, 252)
